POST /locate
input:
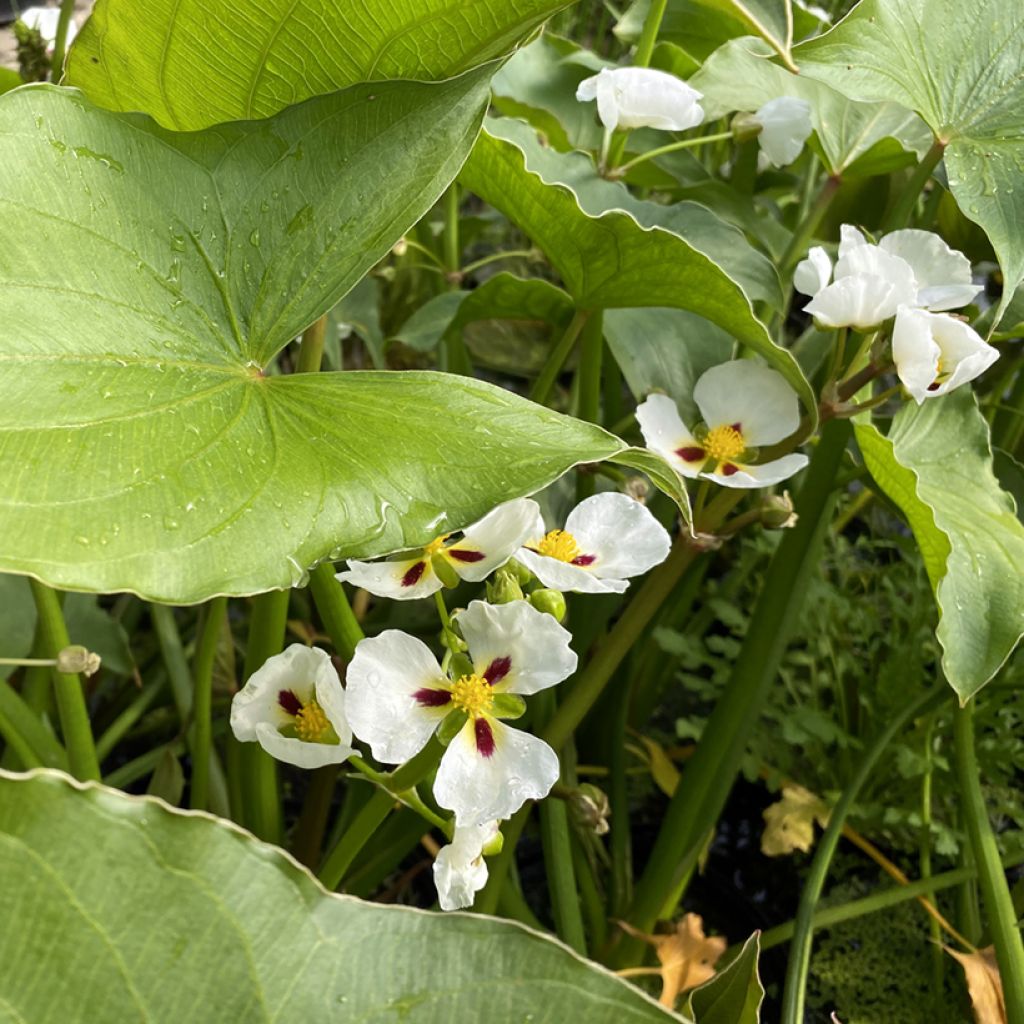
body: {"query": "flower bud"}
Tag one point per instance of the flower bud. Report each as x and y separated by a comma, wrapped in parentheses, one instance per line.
(521, 573)
(445, 571)
(75, 659)
(550, 601)
(777, 512)
(400, 248)
(590, 808)
(745, 127)
(504, 587)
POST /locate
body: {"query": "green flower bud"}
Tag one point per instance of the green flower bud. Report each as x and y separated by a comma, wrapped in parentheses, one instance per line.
(590, 808)
(745, 127)
(75, 659)
(521, 573)
(451, 639)
(777, 512)
(550, 601)
(504, 588)
(445, 571)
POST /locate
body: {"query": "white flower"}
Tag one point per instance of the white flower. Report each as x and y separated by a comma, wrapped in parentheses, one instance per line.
(397, 696)
(935, 353)
(745, 405)
(871, 282)
(294, 706)
(482, 548)
(785, 127)
(607, 538)
(460, 870)
(45, 20)
(642, 98)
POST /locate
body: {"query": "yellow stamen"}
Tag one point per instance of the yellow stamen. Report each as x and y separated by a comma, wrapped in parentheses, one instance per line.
(437, 544)
(312, 726)
(559, 544)
(724, 443)
(472, 694)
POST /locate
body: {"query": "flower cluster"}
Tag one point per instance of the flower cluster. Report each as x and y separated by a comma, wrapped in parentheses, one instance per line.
(913, 278)
(397, 695)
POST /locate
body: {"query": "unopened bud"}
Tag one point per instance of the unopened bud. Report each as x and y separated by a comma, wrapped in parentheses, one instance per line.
(590, 808)
(76, 659)
(452, 640)
(745, 127)
(504, 588)
(777, 512)
(400, 248)
(550, 601)
(638, 489)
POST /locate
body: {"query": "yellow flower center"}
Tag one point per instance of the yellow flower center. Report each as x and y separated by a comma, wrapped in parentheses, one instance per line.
(724, 443)
(437, 544)
(472, 694)
(559, 544)
(312, 726)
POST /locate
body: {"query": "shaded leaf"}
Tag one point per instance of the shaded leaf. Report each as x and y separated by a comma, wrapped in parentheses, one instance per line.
(734, 995)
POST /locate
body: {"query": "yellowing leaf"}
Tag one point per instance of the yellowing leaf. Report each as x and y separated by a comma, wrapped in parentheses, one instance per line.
(789, 823)
(983, 983)
(663, 771)
(687, 956)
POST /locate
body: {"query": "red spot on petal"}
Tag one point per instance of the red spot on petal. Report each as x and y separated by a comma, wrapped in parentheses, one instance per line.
(484, 737)
(694, 454)
(584, 560)
(728, 469)
(414, 574)
(497, 670)
(462, 555)
(738, 427)
(291, 704)
(429, 698)
(934, 386)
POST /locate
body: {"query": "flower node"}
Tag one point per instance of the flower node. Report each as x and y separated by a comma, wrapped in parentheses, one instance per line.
(437, 544)
(311, 724)
(472, 694)
(724, 443)
(559, 544)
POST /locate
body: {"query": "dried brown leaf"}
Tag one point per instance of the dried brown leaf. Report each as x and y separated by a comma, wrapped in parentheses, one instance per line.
(983, 983)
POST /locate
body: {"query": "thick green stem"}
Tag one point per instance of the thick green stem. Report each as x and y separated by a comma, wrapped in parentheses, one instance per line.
(899, 214)
(309, 832)
(672, 147)
(620, 886)
(556, 359)
(261, 802)
(805, 230)
(311, 350)
(74, 717)
(591, 358)
(995, 892)
(800, 947)
(202, 698)
(67, 9)
(710, 773)
(335, 612)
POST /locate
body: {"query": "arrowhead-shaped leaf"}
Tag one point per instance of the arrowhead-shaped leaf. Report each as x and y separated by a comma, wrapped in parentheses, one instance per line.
(149, 277)
(193, 63)
(936, 465)
(145, 913)
(958, 64)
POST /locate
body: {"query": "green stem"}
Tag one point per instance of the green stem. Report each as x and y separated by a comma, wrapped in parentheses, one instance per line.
(994, 889)
(620, 888)
(495, 257)
(74, 717)
(67, 9)
(452, 246)
(671, 147)
(140, 704)
(202, 698)
(899, 214)
(925, 850)
(335, 612)
(21, 728)
(589, 374)
(442, 610)
(806, 229)
(311, 350)
(556, 358)
(498, 867)
(709, 774)
(309, 832)
(18, 743)
(261, 802)
(173, 653)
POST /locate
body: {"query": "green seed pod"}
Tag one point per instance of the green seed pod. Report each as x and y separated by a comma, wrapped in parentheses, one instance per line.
(550, 601)
(504, 588)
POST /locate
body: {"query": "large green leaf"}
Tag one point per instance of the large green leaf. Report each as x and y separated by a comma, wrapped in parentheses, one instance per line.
(957, 63)
(936, 465)
(144, 913)
(193, 63)
(739, 76)
(607, 257)
(734, 995)
(150, 275)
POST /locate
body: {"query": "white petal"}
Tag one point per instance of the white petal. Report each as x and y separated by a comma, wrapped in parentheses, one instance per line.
(566, 577)
(943, 275)
(645, 98)
(764, 475)
(850, 238)
(861, 301)
(607, 100)
(786, 125)
(623, 535)
(586, 91)
(297, 668)
(391, 579)
(914, 351)
(813, 273)
(460, 870)
(532, 648)
(873, 261)
(497, 537)
(751, 394)
(664, 433)
(383, 676)
(299, 752)
(331, 697)
(480, 789)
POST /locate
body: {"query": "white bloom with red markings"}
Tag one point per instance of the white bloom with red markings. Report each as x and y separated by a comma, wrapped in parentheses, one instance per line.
(460, 870)
(398, 696)
(642, 98)
(745, 405)
(479, 550)
(608, 538)
(935, 353)
(294, 707)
